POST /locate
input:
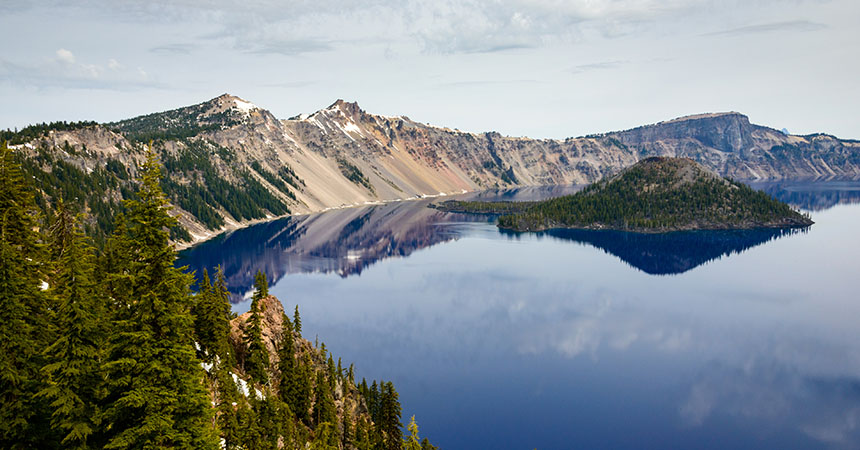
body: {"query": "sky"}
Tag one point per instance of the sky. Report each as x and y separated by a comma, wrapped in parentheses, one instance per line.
(537, 68)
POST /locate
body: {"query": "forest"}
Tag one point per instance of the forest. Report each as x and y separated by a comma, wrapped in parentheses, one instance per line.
(114, 348)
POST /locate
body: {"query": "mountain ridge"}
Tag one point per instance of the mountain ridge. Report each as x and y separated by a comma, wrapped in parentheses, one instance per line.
(343, 156)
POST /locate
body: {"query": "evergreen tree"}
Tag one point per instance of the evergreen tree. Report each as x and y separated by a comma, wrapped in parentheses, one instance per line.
(324, 410)
(73, 368)
(155, 394)
(413, 441)
(286, 364)
(362, 439)
(257, 357)
(297, 322)
(300, 393)
(212, 316)
(222, 314)
(389, 412)
(24, 326)
(227, 404)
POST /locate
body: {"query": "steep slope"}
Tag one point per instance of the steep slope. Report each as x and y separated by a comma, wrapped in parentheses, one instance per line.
(229, 163)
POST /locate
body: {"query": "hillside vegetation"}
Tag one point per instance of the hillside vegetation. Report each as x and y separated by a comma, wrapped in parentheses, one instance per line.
(111, 349)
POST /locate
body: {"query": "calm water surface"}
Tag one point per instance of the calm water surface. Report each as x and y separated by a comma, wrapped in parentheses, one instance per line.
(573, 339)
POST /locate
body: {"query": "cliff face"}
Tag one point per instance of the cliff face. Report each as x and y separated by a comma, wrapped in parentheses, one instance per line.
(343, 156)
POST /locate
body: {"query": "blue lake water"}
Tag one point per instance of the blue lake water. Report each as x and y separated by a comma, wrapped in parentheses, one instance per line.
(572, 339)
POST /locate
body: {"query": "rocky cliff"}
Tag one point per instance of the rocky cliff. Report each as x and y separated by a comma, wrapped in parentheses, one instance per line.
(230, 162)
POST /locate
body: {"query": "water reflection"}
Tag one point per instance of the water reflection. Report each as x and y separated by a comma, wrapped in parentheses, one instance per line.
(343, 241)
(670, 253)
(812, 195)
(545, 343)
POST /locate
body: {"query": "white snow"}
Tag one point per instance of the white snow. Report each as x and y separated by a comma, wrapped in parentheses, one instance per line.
(351, 126)
(245, 107)
(242, 384)
(206, 366)
(45, 286)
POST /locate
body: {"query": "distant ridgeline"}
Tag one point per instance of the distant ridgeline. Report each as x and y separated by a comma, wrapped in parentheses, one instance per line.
(657, 194)
(110, 349)
(228, 162)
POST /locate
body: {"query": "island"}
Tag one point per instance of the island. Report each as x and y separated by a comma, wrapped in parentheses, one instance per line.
(655, 195)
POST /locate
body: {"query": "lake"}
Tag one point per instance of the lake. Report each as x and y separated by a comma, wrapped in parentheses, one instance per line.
(575, 339)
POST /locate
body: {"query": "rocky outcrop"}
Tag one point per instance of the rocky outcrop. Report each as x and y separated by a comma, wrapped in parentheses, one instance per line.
(347, 398)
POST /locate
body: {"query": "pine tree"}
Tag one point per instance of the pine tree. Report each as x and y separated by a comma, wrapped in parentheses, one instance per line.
(223, 314)
(300, 393)
(286, 364)
(212, 316)
(155, 394)
(389, 411)
(24, 324)
(297, 322)
(74, 358)
(227, 404)
(324, 410)
(363, 439)
(412, 442)
(257, 357)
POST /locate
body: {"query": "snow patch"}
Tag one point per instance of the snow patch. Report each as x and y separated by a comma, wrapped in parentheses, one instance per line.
(243, 106)
(242, 385)
(206, 366)
(45, 286)
(351, 126)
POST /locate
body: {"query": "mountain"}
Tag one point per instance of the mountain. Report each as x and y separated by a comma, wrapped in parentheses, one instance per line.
(655, 195)
(229, 162)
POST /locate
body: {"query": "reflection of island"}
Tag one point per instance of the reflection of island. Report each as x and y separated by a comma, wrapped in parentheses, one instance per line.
(342, 241)
(812, 195)
(671, 253)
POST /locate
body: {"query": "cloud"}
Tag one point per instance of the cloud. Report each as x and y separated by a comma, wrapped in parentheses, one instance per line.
(794, 25)
(66, 71)
(181, 49)
(605, 65)
(65, 56)
(442, 26)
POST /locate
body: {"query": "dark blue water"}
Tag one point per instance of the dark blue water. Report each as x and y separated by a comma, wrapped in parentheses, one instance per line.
(571, 339)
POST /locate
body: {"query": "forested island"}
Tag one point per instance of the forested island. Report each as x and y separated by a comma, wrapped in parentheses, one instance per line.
(655, 195)
(111, 348)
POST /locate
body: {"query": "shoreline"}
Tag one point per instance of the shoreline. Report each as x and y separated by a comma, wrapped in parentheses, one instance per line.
(233, 226)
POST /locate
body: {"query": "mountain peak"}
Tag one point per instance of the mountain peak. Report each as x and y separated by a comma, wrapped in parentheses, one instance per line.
(350, 108)
(727, 114)
(227, 101)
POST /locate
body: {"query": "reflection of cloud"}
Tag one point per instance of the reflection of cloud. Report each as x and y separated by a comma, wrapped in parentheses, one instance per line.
(795, 25)
(769, 394)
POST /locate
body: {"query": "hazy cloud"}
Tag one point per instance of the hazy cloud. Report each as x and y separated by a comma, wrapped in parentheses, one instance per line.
(598, 66)
(795, 25)
(181, 49)
(65, 70)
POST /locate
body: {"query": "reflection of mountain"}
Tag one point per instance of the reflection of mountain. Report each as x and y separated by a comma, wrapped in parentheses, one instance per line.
(342, 241)
(813, 195)
(671, 253)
